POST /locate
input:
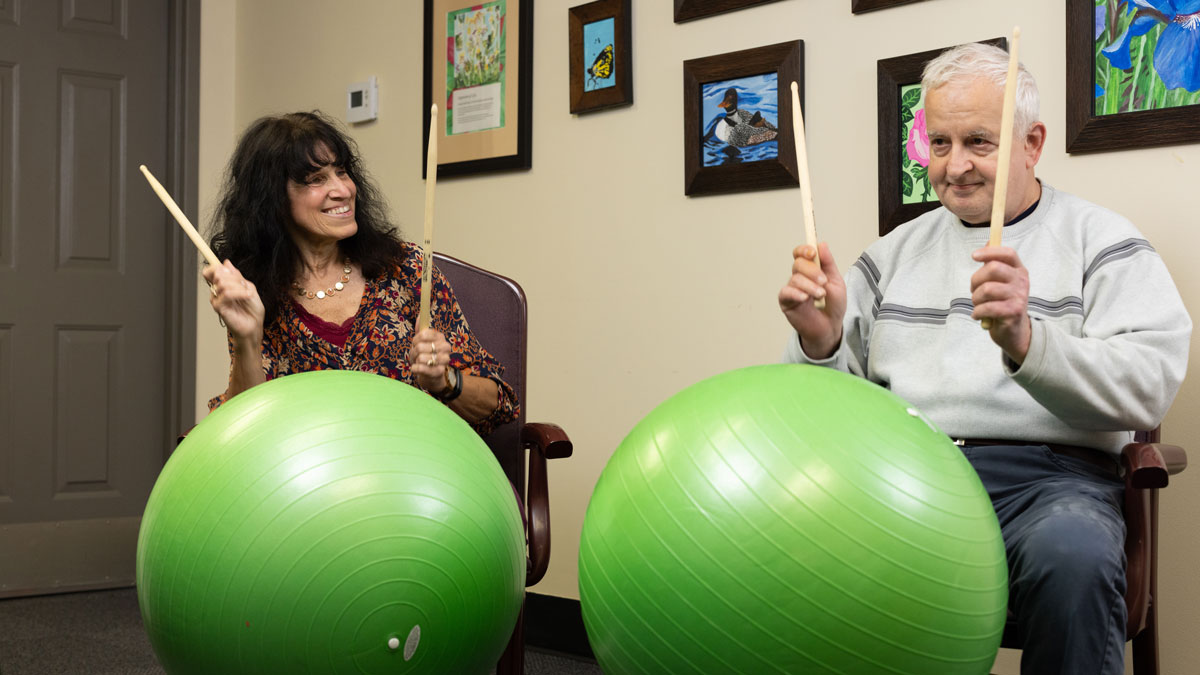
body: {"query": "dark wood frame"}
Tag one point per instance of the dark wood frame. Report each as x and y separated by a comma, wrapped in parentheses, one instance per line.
(686, 10)
(523, 159)
(1087, 132)
(787, 60)
(892, 74)
(621, 94)
(860, 6)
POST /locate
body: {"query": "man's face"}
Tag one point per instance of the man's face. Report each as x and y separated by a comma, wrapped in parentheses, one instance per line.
(963, 121)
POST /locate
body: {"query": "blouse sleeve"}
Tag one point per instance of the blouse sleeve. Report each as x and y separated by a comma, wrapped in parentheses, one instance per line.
(267, 365)
(468, 355)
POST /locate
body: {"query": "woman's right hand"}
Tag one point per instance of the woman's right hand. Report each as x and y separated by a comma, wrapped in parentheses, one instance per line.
(235, 299)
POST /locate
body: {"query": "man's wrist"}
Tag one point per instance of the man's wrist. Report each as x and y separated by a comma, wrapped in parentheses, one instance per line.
(819, 352)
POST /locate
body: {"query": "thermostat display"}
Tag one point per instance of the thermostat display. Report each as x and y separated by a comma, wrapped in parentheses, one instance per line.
(362, 101)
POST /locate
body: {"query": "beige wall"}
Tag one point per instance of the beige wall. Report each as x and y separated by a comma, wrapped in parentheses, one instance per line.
(636, 291)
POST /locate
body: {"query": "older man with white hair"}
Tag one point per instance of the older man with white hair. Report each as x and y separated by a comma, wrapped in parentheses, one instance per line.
(1087, 341)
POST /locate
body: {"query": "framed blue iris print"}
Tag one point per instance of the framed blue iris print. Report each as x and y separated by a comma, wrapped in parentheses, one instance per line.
(1133, 73)
(600, 55)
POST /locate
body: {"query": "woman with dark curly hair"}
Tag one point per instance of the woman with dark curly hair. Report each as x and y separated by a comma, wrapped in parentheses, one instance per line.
(315, 277)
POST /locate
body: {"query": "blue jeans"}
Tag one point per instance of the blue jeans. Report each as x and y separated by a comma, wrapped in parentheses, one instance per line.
(1065, 538)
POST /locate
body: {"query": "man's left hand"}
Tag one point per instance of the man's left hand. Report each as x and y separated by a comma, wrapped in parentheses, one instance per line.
(1000, 291)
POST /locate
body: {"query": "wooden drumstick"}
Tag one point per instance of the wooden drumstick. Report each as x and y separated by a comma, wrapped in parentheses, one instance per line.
(810, 227)
(1005, 150)
(181, 218)
(431, 163)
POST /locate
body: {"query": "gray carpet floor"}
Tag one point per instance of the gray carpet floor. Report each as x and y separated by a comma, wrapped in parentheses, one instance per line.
(100, 633)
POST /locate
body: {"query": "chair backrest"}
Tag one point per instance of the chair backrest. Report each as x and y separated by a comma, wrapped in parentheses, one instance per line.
(494, 307)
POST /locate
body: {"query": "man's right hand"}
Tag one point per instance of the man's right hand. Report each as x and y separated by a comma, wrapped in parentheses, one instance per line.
(820, 330)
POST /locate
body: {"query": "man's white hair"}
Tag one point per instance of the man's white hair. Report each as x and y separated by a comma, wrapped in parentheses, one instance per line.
(977, 60)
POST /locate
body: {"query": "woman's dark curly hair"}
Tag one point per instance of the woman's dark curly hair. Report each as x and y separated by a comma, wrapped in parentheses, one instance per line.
(250, 225)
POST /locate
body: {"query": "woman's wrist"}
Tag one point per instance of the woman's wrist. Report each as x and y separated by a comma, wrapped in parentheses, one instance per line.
(248, 344)
(454, 385)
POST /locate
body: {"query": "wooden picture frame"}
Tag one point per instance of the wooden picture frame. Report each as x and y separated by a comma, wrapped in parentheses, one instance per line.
(686, 10)
(498, 90)
(1089, 132)
(860, 6)
(892, 75)
(601, 49)
(712, 166)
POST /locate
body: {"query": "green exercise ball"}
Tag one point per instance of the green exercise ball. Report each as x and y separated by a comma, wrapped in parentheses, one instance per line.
(791, 519)
(331, 522)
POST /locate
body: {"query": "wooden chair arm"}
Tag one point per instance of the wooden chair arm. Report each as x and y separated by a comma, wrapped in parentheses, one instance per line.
(544, 441)
(549, 439)
(1148, 465)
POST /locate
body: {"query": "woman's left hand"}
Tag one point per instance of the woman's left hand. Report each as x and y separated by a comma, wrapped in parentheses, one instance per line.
(429, 357)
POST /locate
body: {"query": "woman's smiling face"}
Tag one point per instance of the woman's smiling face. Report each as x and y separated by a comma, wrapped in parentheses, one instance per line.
(322, 207)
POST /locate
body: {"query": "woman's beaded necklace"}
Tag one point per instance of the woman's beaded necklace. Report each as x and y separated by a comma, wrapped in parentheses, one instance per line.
(321, 295)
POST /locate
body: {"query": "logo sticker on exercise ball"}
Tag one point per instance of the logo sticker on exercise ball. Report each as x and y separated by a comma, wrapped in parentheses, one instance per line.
(921, 416)
(410, 645)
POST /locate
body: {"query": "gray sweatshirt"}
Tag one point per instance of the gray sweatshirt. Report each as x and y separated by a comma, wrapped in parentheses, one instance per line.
(1110, 333)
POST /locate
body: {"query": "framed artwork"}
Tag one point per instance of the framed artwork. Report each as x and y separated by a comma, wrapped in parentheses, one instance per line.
(600, 53)
(479, 70)
(686, 10)
(1133, 74)
(737, 119)
(904, 188)
(860, 6)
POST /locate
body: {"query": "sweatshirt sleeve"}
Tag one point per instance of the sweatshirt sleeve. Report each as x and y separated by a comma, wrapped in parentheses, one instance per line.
(1122, 372)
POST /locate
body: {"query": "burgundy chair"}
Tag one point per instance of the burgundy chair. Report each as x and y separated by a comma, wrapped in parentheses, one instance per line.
(494, 307)
(1147, 465)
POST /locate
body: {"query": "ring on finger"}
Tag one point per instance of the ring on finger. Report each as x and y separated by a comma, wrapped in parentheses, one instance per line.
(432, 360)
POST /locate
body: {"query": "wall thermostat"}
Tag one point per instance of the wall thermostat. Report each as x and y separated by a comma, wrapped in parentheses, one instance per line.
(362, 101)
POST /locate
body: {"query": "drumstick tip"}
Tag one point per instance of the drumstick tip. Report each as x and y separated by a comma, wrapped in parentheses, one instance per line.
(433, 109)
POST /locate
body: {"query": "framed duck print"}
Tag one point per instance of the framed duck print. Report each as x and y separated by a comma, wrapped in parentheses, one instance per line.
(737, 119)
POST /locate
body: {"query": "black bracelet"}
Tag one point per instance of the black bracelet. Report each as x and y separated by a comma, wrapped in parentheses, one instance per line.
(458, 387)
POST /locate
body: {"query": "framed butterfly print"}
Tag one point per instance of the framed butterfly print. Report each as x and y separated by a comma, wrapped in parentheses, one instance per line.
(478, 68)
(600, 53)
